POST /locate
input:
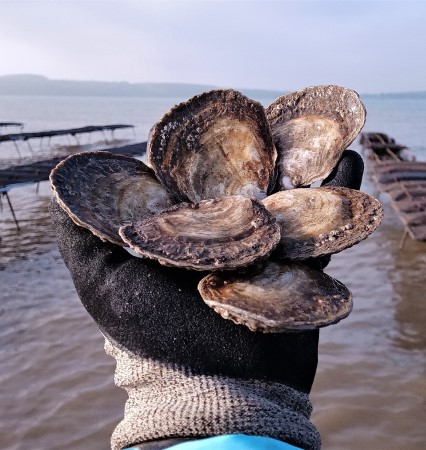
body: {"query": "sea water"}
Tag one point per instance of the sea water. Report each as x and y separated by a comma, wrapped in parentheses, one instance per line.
(56, 383)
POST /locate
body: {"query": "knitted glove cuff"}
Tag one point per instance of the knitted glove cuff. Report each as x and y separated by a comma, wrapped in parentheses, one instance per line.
(170, 401)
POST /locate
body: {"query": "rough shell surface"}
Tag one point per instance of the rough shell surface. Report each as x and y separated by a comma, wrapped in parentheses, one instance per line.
(215, 144)
(217, 234)
(320, 221)
(311, 129)
(277, 297)
(101, 191)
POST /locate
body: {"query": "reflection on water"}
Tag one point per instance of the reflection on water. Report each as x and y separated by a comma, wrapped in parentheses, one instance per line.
(409, 284)
(31, 210)
(57, 383)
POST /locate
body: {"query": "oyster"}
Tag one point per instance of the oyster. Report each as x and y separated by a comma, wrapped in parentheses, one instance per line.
(311, 129)
(218, 151)
(320, 221)
(217, 234)
(215, 144)
(277, 297)
(101, 191)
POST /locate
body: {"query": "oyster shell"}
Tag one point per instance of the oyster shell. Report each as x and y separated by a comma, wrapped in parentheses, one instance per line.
(311, 129)
(320, 221)
(217, 234)
(277, 297)
(215, 144)
(101, 191)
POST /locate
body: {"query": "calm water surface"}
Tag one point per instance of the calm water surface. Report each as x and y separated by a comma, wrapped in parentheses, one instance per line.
(56, 383)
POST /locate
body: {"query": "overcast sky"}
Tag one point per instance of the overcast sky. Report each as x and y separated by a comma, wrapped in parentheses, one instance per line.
(369, 46)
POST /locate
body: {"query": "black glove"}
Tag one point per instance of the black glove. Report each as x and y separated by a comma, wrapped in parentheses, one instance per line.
(156, 313)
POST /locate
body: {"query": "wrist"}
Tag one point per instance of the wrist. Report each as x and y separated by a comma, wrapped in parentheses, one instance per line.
(168, 400)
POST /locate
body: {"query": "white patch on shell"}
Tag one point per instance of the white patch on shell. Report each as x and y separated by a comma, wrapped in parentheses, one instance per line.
(252, 190)
(286, 182)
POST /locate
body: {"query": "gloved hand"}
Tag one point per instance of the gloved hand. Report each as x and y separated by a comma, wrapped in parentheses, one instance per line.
(189, 372)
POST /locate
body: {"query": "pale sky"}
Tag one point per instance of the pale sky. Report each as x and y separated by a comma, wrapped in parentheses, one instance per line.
(369, 46)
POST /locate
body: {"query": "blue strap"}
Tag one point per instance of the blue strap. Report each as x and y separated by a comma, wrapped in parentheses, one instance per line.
(234, 442)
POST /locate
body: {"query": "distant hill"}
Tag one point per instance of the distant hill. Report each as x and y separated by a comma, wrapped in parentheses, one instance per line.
(398, 95)
(40, 85)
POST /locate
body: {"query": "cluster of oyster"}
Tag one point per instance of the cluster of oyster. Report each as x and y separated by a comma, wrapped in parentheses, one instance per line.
(207, 201)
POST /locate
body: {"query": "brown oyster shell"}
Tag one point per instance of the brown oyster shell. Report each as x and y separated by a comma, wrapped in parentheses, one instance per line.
(217, 234)
(277, 297)
(321, 221)
(311, 129)
(101, 191)
(217, 143)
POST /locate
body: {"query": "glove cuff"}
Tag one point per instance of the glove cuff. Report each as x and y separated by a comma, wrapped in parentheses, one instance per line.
(168, 401)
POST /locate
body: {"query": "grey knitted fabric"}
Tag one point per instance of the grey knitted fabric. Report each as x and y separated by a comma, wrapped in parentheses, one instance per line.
(169, 401)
